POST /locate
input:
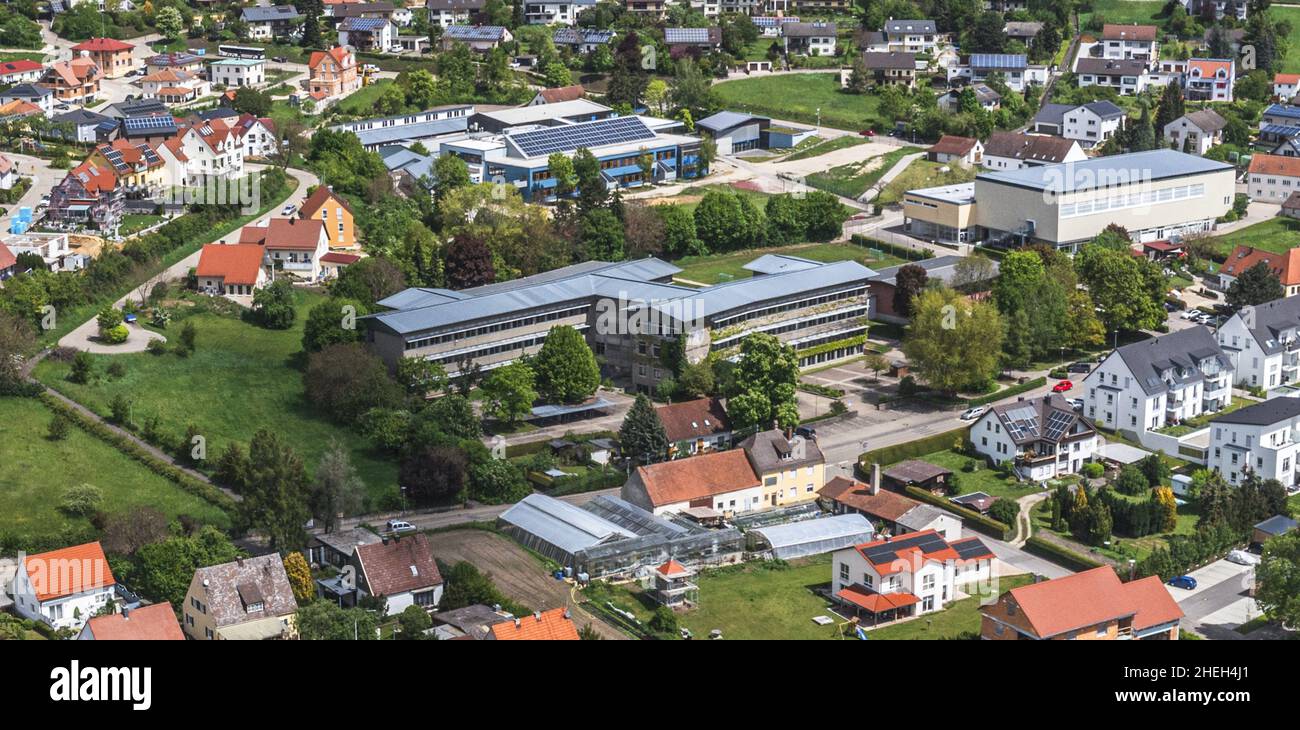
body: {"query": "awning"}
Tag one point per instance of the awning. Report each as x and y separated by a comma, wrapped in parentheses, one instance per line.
(863, 597)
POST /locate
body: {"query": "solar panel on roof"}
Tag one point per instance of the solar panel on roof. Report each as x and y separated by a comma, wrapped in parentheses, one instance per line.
(997, 60)
(567, 138)
(1057, 423)
(968, 548)
(141, 123)
(475, 32)
(888, 552)
(686, 35)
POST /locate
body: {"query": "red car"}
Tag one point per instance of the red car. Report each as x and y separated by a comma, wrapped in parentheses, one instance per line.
(868, 133)
(1062, 386)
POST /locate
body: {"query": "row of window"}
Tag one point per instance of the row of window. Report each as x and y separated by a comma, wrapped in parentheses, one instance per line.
(496, 327)
(799, 304)
(1134, 200)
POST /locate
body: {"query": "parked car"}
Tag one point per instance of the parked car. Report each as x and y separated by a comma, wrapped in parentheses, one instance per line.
(807, 432)
(972, 413)
(1062, 386)
(400, 526)
(279, 59)
(1076, 404)
(1241, 557)
(1186, 582)
(1190, 313)
(288, 210)
(1079, 367)
(868, 133)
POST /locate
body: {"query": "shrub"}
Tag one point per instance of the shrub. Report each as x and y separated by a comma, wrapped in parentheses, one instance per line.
(116, 369)
(1005, 511)
(83, 368)
(156, 347)
(1093, 470)
(1059, 555)
(58, 428)
(115, 335)
(120, 409)
(81, 500)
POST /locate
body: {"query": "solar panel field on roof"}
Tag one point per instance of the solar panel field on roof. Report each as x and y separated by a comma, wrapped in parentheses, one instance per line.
(686, 35)
(888, 552)
(474, 32)
(617, 130)
(997, 60)
(1057, 423)
(969, 548)
(143, 123)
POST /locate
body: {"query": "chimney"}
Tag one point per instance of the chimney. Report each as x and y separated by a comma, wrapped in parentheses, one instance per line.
(126, 613)
(875, 479)
(537, 615)
(518, 623)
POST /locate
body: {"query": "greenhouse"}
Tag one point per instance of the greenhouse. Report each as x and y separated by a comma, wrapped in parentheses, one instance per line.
(557, 529)
(812, 537)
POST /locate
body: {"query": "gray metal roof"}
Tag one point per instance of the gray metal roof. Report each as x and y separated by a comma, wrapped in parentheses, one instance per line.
(774, 263)
(419, 130)
(1098, 172)
(561, 524)
(1171, 360)
(753, 292)
(724, 120)
(813, 537)
(1277, 525)
(922, 517)
(939, 267)
(1052, 114)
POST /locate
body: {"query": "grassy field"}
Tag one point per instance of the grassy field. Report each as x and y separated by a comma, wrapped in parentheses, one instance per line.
(855, 178)
(1291, 61)
(797, 97)
(960, 620)
(830, 145)
(361, 103)
(1275, 234)
(983, 479)
(1147, 12)
(240, 379)
(758, 601)
(728, 266)
(34, 471)
(924, 174)
(134, 222)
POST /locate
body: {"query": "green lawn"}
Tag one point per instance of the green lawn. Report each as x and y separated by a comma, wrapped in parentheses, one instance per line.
(1123, 548)
(983, 479)
(1291, 61)
(361, 102)
(855, 178)
(1146, 12)
(241, 378)
(960, 620)
(133, 223)
(924, 174)
(1275, 234)
(34, 471)
(797, 97)
(716, 268)
(761, 601)
(830, 145)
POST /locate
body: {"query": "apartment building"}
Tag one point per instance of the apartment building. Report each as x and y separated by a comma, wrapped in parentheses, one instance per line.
(1159, 382)
(911, 36)
(1124, 42)
(1262, 343)
(113, 57)
(1209, 79)
(447, 13)
(236, 72)
(1043, 437)
(561, 12)
(1261, 439)
(1272, 178)
(332, 73)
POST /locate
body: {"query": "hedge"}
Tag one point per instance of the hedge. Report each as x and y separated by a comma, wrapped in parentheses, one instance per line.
(822, 390)
(903, 252)
(912, 449)
(1024, 387)
(970, 518)
(1059, 555)
(170, 472)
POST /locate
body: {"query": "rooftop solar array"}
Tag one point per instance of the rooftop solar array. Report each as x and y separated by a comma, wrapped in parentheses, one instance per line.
(967, 549)
(887, 552)
(997, 60)
(143, 124)
(1022, 422)
(686, 35)
(582, 35)
(474, 32)
(1057, 424)
(618, 130)
(363, 24)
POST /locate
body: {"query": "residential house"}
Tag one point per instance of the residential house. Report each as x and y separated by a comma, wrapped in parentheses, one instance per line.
(937, 269)
(1014, 68)
(1130, 42)
(179, 61)
(136, 108)
(40, 96)
(1272, 178)
(1165, 380)
(88, 195)
(248, 599)
(911, 575)
(73, 81)
(153, 130)
(447, 13)
(368, 34)
(52, 248)
(557, 95)
(1260, 439)
(694, 427)
(1092, 605)
(1279, 123)
(809, 39)
(987, 98)
(272, 21)
(791, 469)
(890, 512)
(333, 263)
(8, 262)
(292, 245)
(411, 173)
(1127, 76)
(234, 271)
(962, 151)
(173, 86)
(692, 41)
(332, 73)
(479, 38)
(20, 71)
(472, 622)
(1196, 132)
(9, 176)
(555, 12)
(113, 57)
(1023, 31)
(1209, 79)
(552, 625)
(724, 481)
(1275, 526)
(63, 588)
(889, 68)
(255, 135)
(335, 215)
(336, 548)
(19, 114)
(401, 570)
(156, 622)
(581, 40)
(1090, 124)
(1042, 437)
(85, 126)
(203, 152)
(1262, 342)
(648, 8)
(1291, 206)
(1234, 9)
(911, 36)
(233, 73)
(140, 170)
(1285, 85)
(1014, 151)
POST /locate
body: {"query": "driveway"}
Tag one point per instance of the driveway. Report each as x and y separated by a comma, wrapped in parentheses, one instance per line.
(44, 178)
(1219, 603)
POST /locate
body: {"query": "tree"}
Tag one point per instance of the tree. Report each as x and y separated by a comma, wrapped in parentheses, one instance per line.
(346, 380)
(189, 336)
(59, 427)
(414, 621)
(953, 343)
(1167, 509)
(910, 281)
(643, 231)
(275, 497)
(80, 500)
(16, 340)
(497, 481)
(560, 166)
(1277, 580)
(1132, 481)
(232, 467)
(433, 475)
(372, 278)
(764, 385)
(300, 580)
(725, 221)
(169, 23)
(1129, 291)
(566, 368)
(83, 368)
(251, 101)
(332, 322)
(1006, 511)
(468, 262)
(273, 305)
(311, 11)
(509, 392)
(972, 273)
(165, 568)
(642, 435)
(592, 191)
(1155, 470)
(875, 362)
(127, 532)
(451, 173)
(337, 489)
(664, 621)
(679, 231)
(326, 621)
(1255, 285)
(421, 377)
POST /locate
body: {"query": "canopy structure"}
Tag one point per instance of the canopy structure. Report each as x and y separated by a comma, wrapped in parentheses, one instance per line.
(814, 537)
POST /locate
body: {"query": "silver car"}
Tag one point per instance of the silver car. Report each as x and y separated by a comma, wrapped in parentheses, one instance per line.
(1241, 557)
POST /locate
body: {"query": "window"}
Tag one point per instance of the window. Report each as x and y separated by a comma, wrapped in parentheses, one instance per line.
(844, 572)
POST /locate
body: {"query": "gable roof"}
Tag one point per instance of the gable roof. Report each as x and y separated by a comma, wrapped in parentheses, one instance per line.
(1117, 32)
(68, 571)
(1177, 353)
(908, 552)
(1275, 165)
(233, 588)
(7, 258)
(147, 623)
(953, 145)
(1047, 418)
(338, 54)
(21, 65)
(1264, 413)
(910, 26)
(285, 233)
(1206, 120)
(808, 30)
(552, 625)
(697, 477)
(267, 14)
(1095, 596)
(1209, 66)
(398, 565)
(710, 36)
(884, 504)
(884, 60)
(1272, 319)
(1111, 66)
(770, 451)
(563, 93)
(1277, 525)
(322, 194)
(692, 419)
(1285, 266)
(237, 263)
(95, 45)
(915, 471)
(1031, 147)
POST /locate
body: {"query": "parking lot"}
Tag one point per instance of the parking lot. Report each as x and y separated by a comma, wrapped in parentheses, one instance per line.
(1220, 602)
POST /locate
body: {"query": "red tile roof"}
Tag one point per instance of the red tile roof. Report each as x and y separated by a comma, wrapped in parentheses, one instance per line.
(1291, 79)
(233, 263)
(692, 419)
(1209, 67)
(885, 505)
(1093, 597)
(909, 556)
(7, 257)
(338, 53)
(672, 568)
(343, 259)
(1117, 32)
(550, 625)
(698, 477)
(564, 93)
(875, 602)
(68, 571)
(22, 65)
(398, 565)
(1286, 267)
(953, 145)
(102, 44)
(150, 623)
(282, 233)
(1275, 165)
(312, 205)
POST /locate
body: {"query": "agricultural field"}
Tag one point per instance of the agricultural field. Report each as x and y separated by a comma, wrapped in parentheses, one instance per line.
(798, 97)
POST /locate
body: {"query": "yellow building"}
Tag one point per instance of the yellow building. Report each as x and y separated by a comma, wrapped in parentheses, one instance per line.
(248, 599)
(945, 214)
(791, 470)
(137, 165)
(334, 212)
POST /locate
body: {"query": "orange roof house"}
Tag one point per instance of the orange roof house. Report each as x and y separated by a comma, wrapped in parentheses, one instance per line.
(332, 73)
(334, 213)
(695, 425)
(721, 480)
(75, 80)
(552, 625)
(65, 587)
(563, 93)
(1279, 165)
(156, 622)
(230, 270)
(1286, 79)
(1285, 266)
(1118, 32)
(1093, 604)
(111, 55)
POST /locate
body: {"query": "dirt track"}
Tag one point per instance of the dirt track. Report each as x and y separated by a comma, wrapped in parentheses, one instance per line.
(514, 571)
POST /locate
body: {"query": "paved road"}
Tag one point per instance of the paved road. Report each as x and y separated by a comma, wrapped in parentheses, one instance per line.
(43, 178)
(1219, 602)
